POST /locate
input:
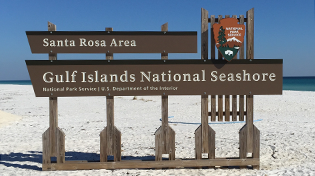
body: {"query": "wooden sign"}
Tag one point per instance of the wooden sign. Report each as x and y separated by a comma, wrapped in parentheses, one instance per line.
(63, 78)
(229, 37)
(111, 42)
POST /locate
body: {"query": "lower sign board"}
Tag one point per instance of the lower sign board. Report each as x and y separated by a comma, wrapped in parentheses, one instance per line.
(65, 78)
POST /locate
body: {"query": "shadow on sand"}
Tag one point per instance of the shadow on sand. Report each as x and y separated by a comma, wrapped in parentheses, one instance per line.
(16, 160)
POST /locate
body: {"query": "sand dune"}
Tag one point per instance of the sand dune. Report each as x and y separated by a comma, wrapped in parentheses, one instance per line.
(6, 118)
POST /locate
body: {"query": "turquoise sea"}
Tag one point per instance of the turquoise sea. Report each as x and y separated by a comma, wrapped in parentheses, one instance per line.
(289, 83)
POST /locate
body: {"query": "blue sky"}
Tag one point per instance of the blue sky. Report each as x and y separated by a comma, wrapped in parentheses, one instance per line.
(284, 29)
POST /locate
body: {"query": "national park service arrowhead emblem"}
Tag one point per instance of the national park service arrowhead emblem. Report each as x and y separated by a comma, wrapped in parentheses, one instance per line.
(229, 37)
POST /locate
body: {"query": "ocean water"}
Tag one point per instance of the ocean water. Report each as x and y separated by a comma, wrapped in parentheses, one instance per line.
(289, 83)
(17, 82)
(299, 83)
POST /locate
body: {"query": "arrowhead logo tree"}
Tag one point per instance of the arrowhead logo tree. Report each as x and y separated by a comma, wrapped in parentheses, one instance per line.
(221, 37)
(229, 37)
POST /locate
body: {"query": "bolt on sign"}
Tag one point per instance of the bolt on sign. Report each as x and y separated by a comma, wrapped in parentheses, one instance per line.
(229, 37)
(112, 42)
(66, 78)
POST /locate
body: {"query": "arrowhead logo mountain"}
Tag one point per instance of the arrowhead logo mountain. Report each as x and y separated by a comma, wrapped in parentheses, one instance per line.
(229, 37)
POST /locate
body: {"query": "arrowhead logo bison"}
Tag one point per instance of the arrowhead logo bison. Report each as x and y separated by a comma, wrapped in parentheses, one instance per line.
(229, 37)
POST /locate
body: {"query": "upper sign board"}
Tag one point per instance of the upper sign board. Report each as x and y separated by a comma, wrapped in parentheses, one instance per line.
(112, 42)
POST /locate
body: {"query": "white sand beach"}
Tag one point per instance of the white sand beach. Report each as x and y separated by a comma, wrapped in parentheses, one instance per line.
(287, 132)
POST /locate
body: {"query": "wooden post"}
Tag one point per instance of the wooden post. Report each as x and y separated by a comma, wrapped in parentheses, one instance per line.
(241, 97)
(213, 97)
(204, 134)
(249, 134)
(227, 108)
(164, 135)
(227, 98)
(204, 34)
(220, 97)
(53, 137)
(249, 98)
(234, 97)
(110, 136)
(204, 98)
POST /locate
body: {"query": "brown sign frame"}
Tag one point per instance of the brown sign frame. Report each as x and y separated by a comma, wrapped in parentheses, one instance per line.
(207, 81)
(112, 42)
